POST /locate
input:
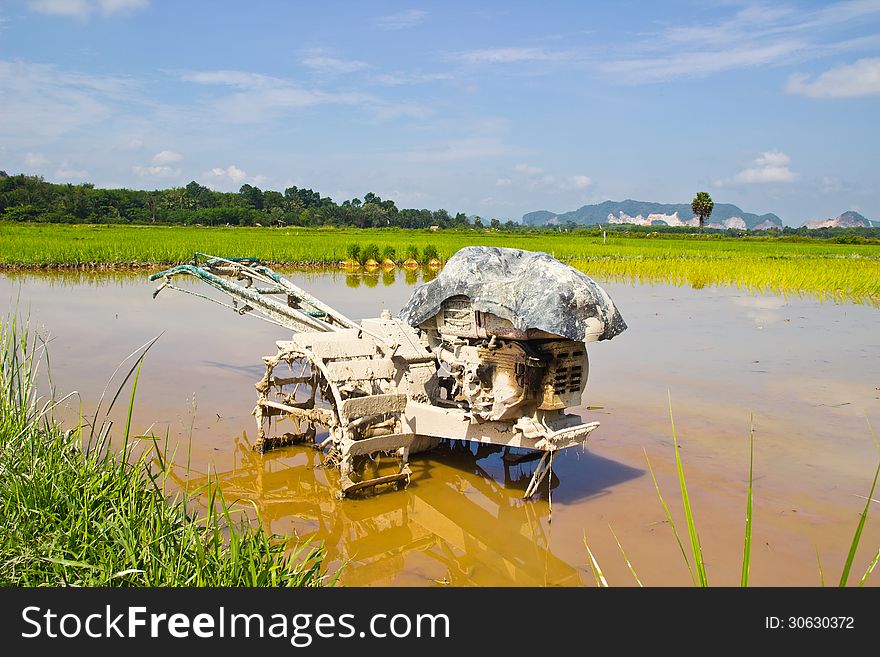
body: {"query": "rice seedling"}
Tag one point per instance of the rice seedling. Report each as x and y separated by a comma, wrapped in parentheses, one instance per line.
(371, 252)
(429, 253)
(353, 253)
(412, 252)
(78, 512)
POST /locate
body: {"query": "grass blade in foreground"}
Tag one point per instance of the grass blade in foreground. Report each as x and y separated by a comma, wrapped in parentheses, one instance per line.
(594, 566)
(670, 520)
(625, 558)
(747, 541)
(844, 576)
(870, 568)
(699, 565)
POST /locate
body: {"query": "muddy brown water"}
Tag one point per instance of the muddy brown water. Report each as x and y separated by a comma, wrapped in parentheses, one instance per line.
(806, 372)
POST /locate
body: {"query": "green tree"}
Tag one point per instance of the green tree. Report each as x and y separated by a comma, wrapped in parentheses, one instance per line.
(702, 207)
(253, 196)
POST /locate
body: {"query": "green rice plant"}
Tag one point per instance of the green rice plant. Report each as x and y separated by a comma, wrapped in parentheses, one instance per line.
(429, 253)
(412, 252)
(353, 252)
(371, 252)
(816, 267)
(78, 512)
(389, 253)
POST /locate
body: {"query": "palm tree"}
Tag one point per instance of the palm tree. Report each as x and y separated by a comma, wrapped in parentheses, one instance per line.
(702, 206)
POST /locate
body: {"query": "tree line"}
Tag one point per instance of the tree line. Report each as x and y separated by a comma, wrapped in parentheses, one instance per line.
(26, 198)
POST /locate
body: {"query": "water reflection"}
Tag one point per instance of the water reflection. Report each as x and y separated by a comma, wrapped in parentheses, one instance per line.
(388, 276)
(468, 526)
(759, 280)
(411, 276)
(371, 276)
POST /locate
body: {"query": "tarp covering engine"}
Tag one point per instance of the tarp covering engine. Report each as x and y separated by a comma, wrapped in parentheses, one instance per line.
(530, 289)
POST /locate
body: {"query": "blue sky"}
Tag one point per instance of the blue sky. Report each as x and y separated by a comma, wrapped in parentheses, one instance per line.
(488, 108)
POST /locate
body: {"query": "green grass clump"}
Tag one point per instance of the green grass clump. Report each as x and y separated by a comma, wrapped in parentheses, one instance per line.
(75, 512)
(429, 253)
(371, 252)
(353, 253)
(389, 253)
(412, 252)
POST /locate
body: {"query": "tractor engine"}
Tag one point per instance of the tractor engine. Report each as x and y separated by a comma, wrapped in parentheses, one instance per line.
(497, 372)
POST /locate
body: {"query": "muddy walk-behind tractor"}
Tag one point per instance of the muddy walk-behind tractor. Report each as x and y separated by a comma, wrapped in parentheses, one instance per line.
(493, 350)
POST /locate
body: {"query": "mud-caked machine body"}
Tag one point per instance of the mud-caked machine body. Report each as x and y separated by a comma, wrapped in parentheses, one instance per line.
(492, 350)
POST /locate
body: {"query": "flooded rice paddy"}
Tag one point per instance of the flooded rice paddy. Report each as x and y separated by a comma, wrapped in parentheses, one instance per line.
(805, 370)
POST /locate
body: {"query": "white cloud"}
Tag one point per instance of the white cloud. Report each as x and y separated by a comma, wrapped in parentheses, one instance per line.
(531, 177)
(769, 167)
(166, 157)
(77, 8)
(231, 78)
(261, 98)
(332, 66)
(512, 55)
(66, 172)
(528, 170)
(699, 63)
(156, 171)
(832, 185)
(35, 160)
(859, 79)
(402, 20)
(232, 172)
(580, 182)
(230, 177)
(451, 150)
(755, 35)
(42, 102)
(112, 6)
(398, 78)
(83, 8)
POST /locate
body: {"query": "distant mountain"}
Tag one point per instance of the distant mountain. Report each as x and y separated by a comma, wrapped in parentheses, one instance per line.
(849, 219)
(646, 213)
